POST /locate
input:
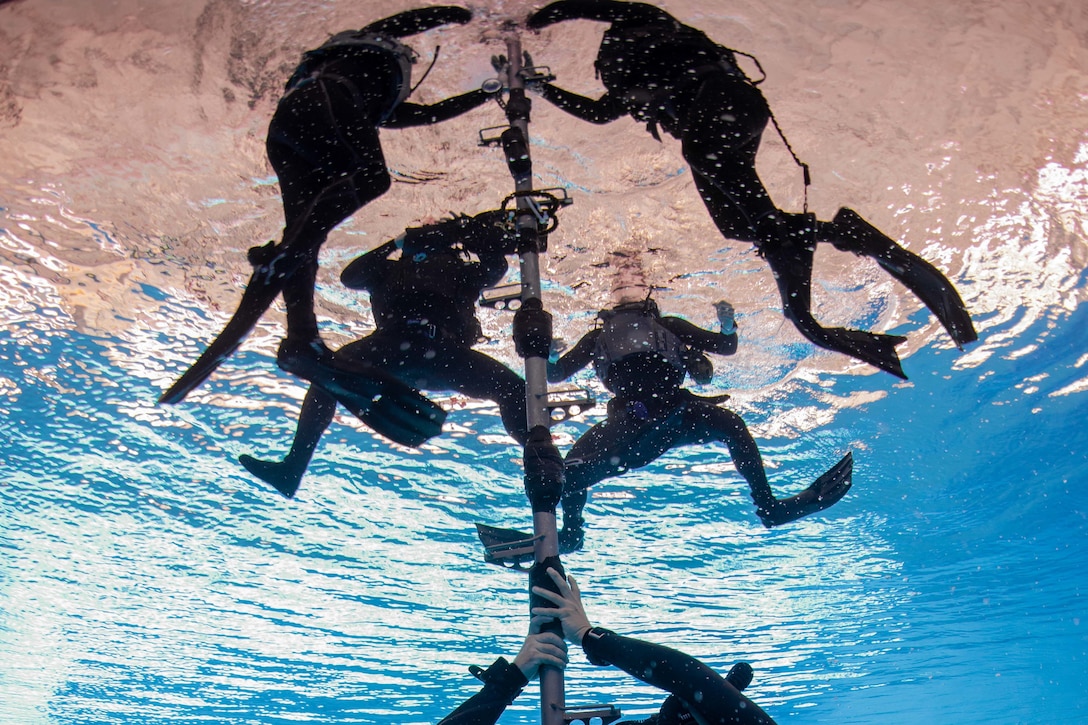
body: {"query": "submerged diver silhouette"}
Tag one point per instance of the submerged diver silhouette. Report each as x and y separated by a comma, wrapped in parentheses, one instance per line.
(324, 145)
(424, 311)
(662, 72)
(643, 358)
(697, 694)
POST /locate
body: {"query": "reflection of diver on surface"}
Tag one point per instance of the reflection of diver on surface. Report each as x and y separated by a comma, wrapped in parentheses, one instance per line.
(424, 311)
(696, 692)
(324, 145)
(643, 358)
(670, 75)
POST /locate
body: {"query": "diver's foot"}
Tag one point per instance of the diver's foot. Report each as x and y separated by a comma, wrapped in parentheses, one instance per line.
(571, 539)
(262, 255)
(875, 348)
(283, 477)
(825, 492)
(299, 356)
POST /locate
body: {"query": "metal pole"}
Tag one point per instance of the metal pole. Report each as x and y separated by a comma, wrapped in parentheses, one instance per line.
(536, 370)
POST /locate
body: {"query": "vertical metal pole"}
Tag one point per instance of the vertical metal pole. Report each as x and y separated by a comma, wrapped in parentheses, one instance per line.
(536, 368)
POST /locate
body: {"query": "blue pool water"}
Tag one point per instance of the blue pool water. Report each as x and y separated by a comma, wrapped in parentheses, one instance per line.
(146, 578)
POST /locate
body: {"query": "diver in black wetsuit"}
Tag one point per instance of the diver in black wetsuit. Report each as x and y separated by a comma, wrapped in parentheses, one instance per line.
(667, 74)
(696, 692)
(424, 310)
(643, 358)
(324, 144)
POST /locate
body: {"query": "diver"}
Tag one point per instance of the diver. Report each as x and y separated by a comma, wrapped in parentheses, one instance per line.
(696, 692)
(324, 145)
(643, 359)
(667, 74)
(423, 289)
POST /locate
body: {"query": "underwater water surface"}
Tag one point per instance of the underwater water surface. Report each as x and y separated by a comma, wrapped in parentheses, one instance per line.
(146, 577)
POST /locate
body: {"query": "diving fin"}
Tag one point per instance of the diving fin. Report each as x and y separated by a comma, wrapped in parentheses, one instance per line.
(264, 284)
(825, 492)
(278, 474)
(389, 407)
(851, 233)
(508, 548)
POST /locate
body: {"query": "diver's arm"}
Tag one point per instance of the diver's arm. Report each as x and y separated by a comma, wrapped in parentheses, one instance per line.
(407, 115)
(576, 358)
(603, 110)
(503, 682)
(365, 271)
(608, 11)
(699, 338)
(487, 233)
(702, 689)
(418, 20)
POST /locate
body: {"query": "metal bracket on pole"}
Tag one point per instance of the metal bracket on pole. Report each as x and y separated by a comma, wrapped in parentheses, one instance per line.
(607, 714)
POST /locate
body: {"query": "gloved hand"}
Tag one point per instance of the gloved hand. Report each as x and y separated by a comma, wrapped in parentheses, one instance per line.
(532, 329)
(489, 232)
(699, 367)
(726, 316)
(544, 472)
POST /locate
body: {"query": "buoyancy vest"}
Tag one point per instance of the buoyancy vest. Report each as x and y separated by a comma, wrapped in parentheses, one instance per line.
(626, 332)
(644, 65)
(344, 42)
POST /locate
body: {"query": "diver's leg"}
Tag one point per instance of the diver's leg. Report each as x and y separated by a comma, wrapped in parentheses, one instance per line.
(704, 422)
(477, 375)
(352, 174)
(720, 138)
(720, 135)
(790, 258)
(322, 182)
(850, 233)
(317, 413)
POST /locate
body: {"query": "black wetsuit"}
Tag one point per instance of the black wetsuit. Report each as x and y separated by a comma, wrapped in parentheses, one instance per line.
(503, 682)
(323, 143)
(424, 311)
(324, 146)
(665, 73)
(649, 415)
(698, 688)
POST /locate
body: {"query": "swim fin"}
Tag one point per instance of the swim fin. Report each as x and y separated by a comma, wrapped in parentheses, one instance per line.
(389, 407)
(851, 233)
(270, 271)
(508, 548)
(281, 476)
(825, 492)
